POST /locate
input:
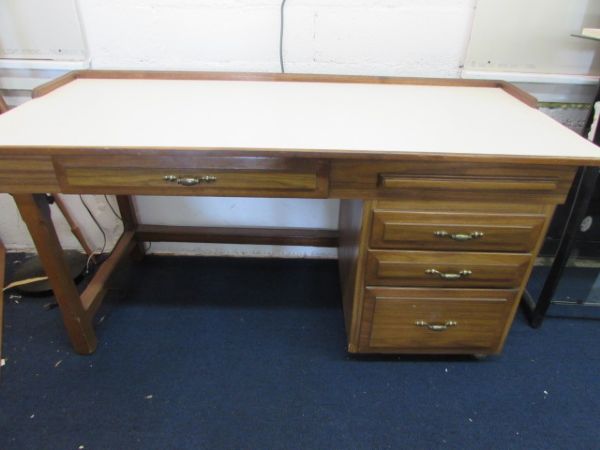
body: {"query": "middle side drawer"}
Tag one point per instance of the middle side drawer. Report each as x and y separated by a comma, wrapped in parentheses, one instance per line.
(411, 230)
(446, 269)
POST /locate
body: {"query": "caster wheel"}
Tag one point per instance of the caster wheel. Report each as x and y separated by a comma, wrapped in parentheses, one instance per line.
(480, 356)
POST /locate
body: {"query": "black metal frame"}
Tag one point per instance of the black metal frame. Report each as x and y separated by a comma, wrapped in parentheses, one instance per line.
(579, 199)
(581, 193)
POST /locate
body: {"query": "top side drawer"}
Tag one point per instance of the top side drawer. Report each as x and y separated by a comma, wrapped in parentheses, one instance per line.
(446, 180)
(192, 175)
(412, 230)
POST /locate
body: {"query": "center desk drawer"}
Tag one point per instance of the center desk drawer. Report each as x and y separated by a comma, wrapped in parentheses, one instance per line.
(446, 269)
(191, 175)
(455, 231)
(446, 320)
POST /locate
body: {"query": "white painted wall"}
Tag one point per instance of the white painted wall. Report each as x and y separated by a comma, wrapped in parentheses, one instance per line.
(39, 29)
(534, 41)
(374, 37)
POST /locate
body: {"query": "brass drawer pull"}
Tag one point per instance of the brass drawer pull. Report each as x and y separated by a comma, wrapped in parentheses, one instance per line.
(459, 236)
(190, 181)
(449, 276)
(436, 327)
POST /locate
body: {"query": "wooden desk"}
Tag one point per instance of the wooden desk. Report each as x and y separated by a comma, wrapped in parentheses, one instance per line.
(447, 187)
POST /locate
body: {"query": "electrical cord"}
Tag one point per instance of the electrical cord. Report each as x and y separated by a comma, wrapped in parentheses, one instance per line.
(96, 222)
(112, 208)
(120, 218)
(281, 27)
(87, 265)
(25, 282)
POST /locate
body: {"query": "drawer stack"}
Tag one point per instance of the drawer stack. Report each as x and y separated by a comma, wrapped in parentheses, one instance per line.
(443, 278)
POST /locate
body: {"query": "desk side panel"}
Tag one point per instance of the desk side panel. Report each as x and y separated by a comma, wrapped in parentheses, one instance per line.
(354, 226)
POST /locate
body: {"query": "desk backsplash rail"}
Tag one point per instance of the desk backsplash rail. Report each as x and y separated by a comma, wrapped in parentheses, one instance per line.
(510, 89)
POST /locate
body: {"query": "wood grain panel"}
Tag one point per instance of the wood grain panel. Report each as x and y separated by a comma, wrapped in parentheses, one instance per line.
(35, 212)
(354, 226)
(235, 176)
(129, 218)
(92, 296)
(228, 235)
(454, 206)
(51, 85)
(464, 183)
(3, 105)
(409, 268)
(467, 321)
(421, 180)
(412, 230)
(21, 174)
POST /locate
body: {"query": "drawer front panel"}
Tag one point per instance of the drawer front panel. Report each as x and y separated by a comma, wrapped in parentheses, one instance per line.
(445, 180)
(446, 269)
(238, 176)
(447, 231)
(27, 174)
(451, 320)
(390, 181)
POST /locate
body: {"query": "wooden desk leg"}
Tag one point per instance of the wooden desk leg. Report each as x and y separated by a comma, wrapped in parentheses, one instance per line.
(130, 222)
(35, 211)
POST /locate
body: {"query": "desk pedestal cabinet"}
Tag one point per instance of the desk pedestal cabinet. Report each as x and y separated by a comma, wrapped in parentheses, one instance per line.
(440, 269)
(434, 249)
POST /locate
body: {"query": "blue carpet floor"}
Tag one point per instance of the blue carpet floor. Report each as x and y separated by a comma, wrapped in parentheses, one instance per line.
(250, 354)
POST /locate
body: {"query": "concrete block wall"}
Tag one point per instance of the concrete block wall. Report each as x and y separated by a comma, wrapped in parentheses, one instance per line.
(383, 37)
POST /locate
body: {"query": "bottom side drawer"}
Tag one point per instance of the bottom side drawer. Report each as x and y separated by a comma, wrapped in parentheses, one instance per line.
(461, 321)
